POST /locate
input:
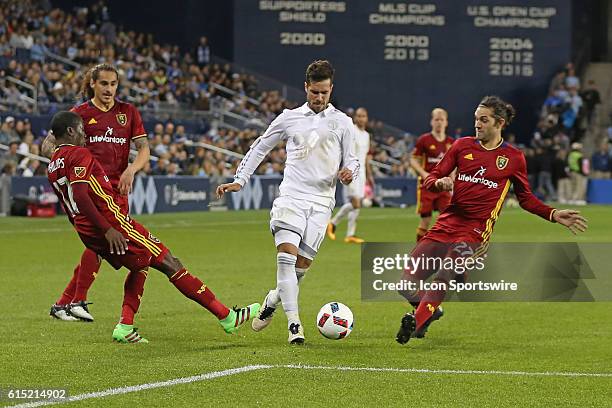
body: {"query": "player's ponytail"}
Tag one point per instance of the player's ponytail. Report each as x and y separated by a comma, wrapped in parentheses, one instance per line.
(94, 73)
(501, 109)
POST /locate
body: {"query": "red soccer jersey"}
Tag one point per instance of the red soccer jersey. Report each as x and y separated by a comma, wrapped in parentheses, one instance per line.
(108, 134)
(430, 150)
(74, 164)
(482, 182)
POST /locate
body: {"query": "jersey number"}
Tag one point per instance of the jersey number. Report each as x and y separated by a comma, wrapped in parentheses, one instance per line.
(62, 184)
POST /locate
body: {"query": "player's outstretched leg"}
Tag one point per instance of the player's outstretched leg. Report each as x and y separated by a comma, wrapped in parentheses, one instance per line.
(193, 288)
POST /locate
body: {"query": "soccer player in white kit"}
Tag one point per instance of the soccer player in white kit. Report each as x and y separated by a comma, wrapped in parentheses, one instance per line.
(319, 142)
(355, 190)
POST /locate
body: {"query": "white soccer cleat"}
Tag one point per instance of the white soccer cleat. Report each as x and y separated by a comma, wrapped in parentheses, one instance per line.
(265, 315)
(59, 312)
(80, 311)
(296, 333)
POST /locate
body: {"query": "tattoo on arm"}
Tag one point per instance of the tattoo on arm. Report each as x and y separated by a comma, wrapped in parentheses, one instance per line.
(141, 142)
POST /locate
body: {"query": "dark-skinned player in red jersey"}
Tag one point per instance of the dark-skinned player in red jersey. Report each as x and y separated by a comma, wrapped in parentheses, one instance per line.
(485, 167)
(110, 127)
(91, 203)
(428, 151)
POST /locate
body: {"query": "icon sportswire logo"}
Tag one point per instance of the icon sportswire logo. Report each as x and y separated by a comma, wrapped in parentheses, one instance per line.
(478, 178)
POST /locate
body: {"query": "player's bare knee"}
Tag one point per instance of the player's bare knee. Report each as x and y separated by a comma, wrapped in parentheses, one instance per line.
(356, 203)
(303, 263)
(170, 265)
(287, 248)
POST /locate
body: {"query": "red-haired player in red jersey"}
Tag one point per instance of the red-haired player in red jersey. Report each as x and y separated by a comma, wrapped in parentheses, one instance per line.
(110, 127)
(428, 151)
(485, 167)
(91, 203)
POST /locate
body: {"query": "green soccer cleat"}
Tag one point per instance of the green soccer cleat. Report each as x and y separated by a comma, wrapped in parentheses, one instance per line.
(127, 333)
(237, 317)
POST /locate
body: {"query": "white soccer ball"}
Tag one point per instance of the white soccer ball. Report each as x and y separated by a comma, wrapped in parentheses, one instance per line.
(335, 321)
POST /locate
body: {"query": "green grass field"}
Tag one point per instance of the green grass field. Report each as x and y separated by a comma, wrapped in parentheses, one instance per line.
(233, 253)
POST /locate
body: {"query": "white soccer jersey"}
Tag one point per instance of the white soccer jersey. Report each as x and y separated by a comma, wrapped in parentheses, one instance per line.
(318, 146)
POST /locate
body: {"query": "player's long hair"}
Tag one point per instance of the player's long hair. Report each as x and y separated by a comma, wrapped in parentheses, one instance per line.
(94, 73)
(501, 109)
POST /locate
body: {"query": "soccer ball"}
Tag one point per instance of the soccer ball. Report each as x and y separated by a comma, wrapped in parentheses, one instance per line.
(335, 321)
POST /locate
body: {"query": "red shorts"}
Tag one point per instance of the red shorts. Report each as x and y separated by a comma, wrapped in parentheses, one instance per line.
(428, 201)
(144, 249)
(120, 199)
(453, 228)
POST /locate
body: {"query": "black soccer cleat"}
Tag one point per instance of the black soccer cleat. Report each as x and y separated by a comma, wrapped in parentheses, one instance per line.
(437, 314)
(407, 328)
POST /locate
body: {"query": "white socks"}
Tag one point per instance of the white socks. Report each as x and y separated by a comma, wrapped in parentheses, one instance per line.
(352, 222)
(274, 299)
(287, 282)
(342, 212)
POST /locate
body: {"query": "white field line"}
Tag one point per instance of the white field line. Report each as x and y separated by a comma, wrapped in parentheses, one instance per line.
(176, 224)
(435, 371)
(233, 371)
(148, 386)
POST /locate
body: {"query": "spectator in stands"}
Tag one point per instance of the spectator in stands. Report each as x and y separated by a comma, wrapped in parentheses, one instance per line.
(11, 155)
(31, 168)
(545, 157)
(202, 52)
(571, 80)
(532, 167)
(590, 96)
(601, 162)
(7, 130)
(561, 177)
(577, 175)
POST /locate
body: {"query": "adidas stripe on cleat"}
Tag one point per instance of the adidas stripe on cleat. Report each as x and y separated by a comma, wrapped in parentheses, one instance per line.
(237, 317)
(265, 315)
(127, 333)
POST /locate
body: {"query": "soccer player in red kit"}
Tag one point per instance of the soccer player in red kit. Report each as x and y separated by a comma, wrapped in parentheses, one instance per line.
(428, 151)
(110, 127)
(91, 203)
(485, 167)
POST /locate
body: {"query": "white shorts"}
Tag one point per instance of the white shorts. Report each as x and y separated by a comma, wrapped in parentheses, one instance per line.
(307, 219)
(355, 189)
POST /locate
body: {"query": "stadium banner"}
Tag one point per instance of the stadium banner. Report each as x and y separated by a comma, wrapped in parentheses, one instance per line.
(159, 194)
(402, 59)
(261, 191)
(495, 272)
(599, 191)
(155, 194)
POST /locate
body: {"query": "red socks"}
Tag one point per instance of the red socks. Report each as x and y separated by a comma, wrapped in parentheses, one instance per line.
(132, 293)
(88, 269)
(82, 279)
(194, 289)
(69, 291)
(429, 302)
